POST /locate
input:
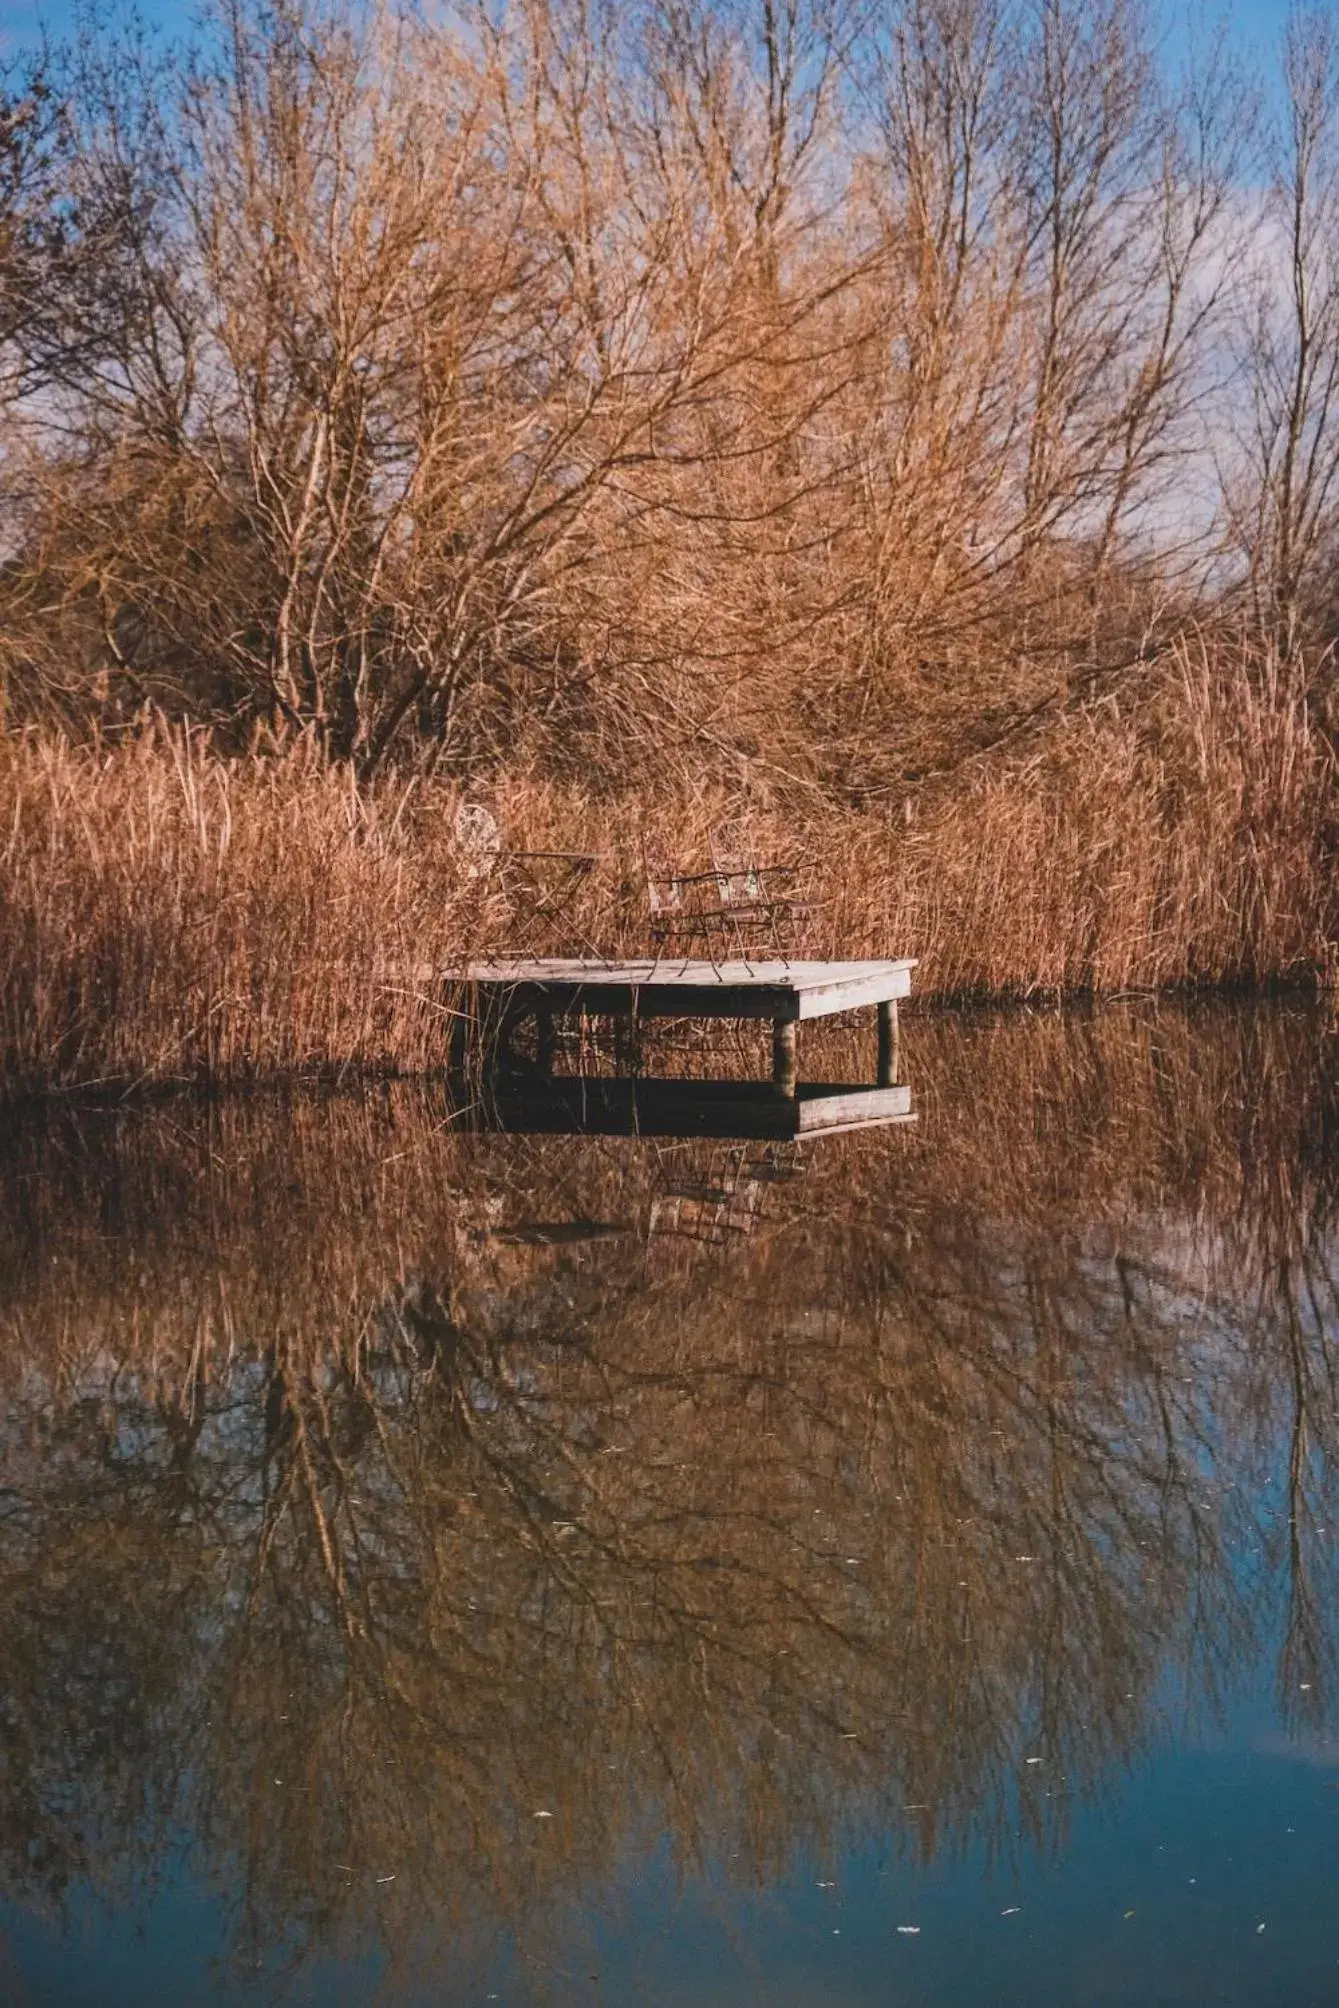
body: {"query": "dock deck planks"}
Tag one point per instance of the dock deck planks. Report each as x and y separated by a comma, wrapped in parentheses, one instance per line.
(670, 988)
(787, 993)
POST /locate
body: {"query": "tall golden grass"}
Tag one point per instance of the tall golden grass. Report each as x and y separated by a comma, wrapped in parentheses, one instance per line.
(168, 913)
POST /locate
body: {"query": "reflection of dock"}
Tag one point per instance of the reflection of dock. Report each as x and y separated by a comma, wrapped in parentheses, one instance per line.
(500, 994)
(595, 1105)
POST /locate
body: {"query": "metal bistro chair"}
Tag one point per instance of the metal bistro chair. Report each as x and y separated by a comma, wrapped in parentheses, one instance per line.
(539, 888)
(758, 898)
(528, 895)
(738, 900)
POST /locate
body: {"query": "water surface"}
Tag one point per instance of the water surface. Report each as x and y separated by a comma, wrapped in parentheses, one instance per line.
(895, 1567)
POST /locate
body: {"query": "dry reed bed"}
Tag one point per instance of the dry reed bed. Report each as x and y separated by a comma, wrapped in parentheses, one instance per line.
(169, 914)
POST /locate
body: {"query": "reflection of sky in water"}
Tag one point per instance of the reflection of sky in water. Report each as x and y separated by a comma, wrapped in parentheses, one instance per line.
(1068, 1351)
(1205, 1844)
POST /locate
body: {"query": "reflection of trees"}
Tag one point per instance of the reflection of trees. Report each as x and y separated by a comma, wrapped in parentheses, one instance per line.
(1301, 1398)
(319, 1467)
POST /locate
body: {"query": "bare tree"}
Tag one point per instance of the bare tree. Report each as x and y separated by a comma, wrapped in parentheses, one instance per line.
(31, 135)
(1049, 203)
(1284, 498)
(519, 379)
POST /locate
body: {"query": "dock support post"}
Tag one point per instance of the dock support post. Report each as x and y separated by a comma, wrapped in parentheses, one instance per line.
(888, 1043)
(546, 1040)
(783, 1054)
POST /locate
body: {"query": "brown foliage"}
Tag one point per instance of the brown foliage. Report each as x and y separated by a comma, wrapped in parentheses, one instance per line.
(642, 418)
(570, 383)
(169, 913)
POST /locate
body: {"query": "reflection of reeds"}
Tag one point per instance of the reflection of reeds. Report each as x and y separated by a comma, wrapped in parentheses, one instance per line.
(335, 1475)
(168, 914)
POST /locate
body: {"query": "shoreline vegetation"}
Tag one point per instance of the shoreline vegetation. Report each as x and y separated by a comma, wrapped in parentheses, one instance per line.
(174, 914)
(897, 434)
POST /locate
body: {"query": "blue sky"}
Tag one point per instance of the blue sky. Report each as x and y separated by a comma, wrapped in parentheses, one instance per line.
(1254, 25)
(1254, 28)
(22, 21)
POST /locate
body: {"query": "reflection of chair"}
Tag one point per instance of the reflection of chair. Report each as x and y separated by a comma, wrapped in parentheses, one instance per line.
(709, 1207)
(726, 1198)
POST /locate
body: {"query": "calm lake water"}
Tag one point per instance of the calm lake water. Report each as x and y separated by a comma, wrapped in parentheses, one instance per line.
(894, 1567)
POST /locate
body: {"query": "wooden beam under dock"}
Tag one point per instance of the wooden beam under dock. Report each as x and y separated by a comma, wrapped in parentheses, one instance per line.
(500, 994)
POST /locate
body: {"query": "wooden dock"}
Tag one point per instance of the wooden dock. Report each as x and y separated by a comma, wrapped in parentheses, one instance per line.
(501, 994)
(598, 1105)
